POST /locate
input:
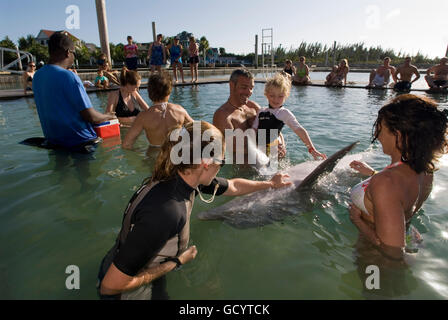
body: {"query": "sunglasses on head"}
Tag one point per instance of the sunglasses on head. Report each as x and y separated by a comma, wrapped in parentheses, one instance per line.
(221, 162)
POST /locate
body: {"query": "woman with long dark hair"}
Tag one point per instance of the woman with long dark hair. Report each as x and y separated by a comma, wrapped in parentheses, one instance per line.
(413, 132)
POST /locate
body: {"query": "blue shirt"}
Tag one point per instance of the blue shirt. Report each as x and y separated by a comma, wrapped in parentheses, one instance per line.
(60, 97)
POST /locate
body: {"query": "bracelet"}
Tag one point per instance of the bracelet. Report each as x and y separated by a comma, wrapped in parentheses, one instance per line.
(311, 149)
(174, 259)
(374, 173)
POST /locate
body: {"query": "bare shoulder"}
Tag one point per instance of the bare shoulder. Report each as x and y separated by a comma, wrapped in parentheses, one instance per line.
(253, 105)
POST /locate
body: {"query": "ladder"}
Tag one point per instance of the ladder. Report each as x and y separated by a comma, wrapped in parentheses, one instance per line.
(20, 56)
(267, 46)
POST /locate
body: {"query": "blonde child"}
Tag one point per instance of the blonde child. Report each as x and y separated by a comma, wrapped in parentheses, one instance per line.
(276, 116)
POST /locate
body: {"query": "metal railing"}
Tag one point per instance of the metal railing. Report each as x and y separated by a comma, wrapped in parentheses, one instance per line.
(20, 56)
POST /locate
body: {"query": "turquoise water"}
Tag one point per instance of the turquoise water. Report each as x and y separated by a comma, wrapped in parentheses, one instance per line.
(59, 210)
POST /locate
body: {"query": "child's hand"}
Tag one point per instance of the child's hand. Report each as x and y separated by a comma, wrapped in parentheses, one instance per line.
(317, 155)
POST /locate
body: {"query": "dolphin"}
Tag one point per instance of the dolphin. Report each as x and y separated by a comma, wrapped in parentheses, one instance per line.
(263, 207)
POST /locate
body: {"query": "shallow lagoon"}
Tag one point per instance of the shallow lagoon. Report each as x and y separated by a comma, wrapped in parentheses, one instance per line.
(59, 210)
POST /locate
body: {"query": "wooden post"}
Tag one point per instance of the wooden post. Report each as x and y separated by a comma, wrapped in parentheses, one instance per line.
(102, 27)
(334, 53)
(154, 31)
(446, 53)
(256, 51)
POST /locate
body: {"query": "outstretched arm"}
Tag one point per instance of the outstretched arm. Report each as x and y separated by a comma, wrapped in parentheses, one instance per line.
(303, 135)
(239, 187)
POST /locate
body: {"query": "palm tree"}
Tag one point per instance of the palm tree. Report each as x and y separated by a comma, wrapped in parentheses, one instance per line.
(203, 47)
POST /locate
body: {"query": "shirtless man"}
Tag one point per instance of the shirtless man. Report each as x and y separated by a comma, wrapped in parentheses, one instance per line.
(161, 116)
(404, 76)
(440, 78)
(380, 77)
(239, 112)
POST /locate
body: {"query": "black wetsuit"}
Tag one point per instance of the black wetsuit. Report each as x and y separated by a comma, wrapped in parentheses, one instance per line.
(122, 110)
(156, 225)
(288, 71)
(402, 86)
(268, 121)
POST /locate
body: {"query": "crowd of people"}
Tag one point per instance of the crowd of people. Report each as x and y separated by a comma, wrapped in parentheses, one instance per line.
(154, 235)
(402, 77)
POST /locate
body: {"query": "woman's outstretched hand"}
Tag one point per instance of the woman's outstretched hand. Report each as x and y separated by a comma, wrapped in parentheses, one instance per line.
(362, 168)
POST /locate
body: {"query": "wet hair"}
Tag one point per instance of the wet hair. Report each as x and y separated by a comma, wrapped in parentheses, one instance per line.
(58, 44)
(164, 167)
(280, 81)
(240, 72)
(129, 77)
(159, 86)
(129, 37)
(423, 130)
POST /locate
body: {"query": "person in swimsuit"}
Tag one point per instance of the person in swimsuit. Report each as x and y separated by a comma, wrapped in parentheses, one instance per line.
(131, 54)
(440, 78)
(276, 116)
(404, 75)
(413, 132)
(154, 237)
(289, 68)
(193, 50)
(101, 81)
(339, 77)
(175, 50)
(27, 77)
(161, 116)
(380, 77)
(157, 54)
(108, 72)
(331, 75)
(127, 102)
(302, 76)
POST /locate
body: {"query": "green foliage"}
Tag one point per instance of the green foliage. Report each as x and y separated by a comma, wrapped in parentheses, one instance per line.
(8, 57)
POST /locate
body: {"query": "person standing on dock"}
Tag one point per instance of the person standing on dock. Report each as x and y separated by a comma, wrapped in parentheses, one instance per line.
(65, 111)
(176, 50)
(404, 75)
(440, 78)
(131, 53)
(380, 77)
(157, 54)
(193, 50)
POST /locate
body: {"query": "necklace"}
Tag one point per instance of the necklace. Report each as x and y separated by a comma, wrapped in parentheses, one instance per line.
(237, 108)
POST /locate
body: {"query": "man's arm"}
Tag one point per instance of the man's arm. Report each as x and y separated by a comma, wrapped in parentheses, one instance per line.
(94, 117)
(393, 71)
(417, 74)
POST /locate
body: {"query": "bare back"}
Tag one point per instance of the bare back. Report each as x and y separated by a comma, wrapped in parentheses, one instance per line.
(156, 122)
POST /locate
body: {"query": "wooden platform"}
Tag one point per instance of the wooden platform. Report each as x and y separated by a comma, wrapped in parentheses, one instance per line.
(18, 93)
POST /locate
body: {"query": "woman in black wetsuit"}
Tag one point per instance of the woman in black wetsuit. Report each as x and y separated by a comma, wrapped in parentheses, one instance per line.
(127, 102)
(155, 231)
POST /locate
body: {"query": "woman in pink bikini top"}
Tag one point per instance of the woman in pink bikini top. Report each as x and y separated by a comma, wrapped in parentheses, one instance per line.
(413, 132)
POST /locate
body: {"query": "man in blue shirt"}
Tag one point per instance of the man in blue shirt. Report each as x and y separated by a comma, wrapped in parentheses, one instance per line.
(65, 111)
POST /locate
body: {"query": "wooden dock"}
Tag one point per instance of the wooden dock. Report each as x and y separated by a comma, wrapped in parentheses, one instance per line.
(12, 94)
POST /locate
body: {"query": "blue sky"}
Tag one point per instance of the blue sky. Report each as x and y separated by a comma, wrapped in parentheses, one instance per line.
(409, 26)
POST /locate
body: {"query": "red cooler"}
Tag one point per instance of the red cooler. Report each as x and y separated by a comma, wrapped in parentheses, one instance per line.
(108, 129)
